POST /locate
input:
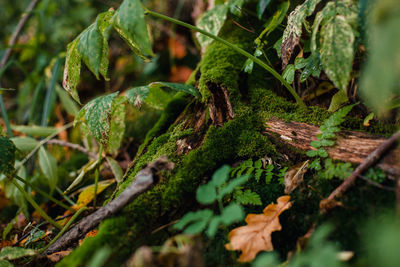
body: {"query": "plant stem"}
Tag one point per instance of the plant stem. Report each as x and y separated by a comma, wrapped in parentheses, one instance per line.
(35, 205)
(96, 175)
(5, 116)
(64, 229)
(234, 47)
(44, 193)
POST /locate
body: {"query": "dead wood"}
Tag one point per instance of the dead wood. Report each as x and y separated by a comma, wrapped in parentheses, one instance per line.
(350, 146)
(330, 202)
(143, 182)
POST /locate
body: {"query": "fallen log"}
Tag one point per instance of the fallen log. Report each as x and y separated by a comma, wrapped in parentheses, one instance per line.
(350, 146)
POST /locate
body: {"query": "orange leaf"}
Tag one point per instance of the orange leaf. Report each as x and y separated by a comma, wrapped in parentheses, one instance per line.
(256, 235)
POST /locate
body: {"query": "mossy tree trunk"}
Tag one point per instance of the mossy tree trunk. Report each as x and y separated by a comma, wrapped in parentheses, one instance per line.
(223, 127)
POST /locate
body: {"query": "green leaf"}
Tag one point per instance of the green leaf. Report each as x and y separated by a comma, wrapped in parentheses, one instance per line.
(13, 253)
(247, 197)
(34, 130)
(338, 100)
(93, 46)
(337, 51)
(288, 73)
(24, 143)
(294, 29)
(235, 7)
(7, 155)
(129, 22)
(380, 77)
(258, 164)
(70, 106)
(199, 218)
(232, 185)
(97, 115)
(115, 168)
(117, 127)
(157, 94)
(4, 263)
(231, 214)
(48, 165)
(221, 175)
(72, 69)
(213, 226)
(257, 174)
(206, 194)
(261, 6)
(212, 22)
(179, 87)
(248, 66)
(85, 169)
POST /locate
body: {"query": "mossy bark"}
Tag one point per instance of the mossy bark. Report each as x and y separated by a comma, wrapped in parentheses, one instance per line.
(199, 135)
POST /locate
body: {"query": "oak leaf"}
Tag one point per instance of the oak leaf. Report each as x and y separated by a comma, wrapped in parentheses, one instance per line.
(256, 235)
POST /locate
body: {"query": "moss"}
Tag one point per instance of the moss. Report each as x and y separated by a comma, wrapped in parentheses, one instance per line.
(221, 64)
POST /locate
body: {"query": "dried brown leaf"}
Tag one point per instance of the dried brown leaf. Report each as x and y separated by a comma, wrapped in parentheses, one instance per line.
(295, 176)
(256, 235)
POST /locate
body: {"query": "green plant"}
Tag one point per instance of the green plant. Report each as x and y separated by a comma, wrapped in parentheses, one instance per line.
(214, 191)
(254, 169)
(92, 48)
(326, 138)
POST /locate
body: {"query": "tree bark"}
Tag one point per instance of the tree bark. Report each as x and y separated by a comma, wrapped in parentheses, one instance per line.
(351, 146)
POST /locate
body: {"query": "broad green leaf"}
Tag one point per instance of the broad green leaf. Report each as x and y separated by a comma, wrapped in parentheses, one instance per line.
(337, 51)
(48, 165)
(261, 6)
(220, 176)
(157, 94)
(137, 95)
(70, 106)
(13, 253)
(12, 191)
(249, 64)
(34, 130)
(294, 29)
(368, 118)
(97, 115)
(179, 87)
(338, 100)
(380, 79)
(117, 127)
(288, 73)
(25, 143)
(2, 133)
(206, 194)
(93, 46)
(4, 263)
(274, 21)
(212, 22)
(200, 218)
(235, 7)
(7, 155)
(213, 226)
(72, 69)
(115, 168)
(129, 22)
(231, 214)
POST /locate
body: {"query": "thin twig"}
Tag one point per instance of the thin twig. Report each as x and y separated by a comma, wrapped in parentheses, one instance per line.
(330, 202)
(143, 182)
(73, 146)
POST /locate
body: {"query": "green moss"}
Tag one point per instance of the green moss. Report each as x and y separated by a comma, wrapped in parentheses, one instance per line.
(221, 65)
